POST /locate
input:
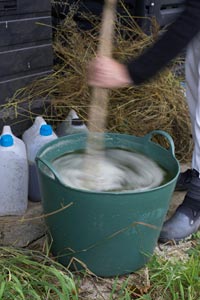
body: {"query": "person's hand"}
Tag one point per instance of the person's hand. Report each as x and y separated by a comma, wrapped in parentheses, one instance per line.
(108, 73)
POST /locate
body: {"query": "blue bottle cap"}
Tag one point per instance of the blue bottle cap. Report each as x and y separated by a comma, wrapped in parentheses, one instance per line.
(46, 130)
(6, 140)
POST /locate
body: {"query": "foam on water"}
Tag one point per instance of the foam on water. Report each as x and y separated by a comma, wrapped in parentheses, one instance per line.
(110, 170)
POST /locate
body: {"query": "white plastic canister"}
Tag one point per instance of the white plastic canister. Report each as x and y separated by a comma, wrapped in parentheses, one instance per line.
(34, 142)
(13, 174)
(72, 124)
(34, 129)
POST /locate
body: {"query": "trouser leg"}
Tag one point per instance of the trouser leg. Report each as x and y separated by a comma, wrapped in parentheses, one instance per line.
(193, 96)
(186, 219)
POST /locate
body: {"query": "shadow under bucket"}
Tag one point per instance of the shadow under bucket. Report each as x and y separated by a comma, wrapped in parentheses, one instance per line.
(111, 233)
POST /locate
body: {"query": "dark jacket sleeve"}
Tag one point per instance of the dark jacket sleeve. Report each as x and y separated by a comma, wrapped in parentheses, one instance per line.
(168, 46)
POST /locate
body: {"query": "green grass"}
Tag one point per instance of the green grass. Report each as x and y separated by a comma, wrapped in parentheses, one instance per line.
(168, 279)
(27, 274)
(31, 275)
(175, 280)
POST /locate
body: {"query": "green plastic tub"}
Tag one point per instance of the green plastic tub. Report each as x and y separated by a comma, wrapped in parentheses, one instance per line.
(110, 233)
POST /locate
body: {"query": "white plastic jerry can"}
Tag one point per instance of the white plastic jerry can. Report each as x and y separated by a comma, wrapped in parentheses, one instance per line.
(71, 125)
(33, 143)
(34, 129)
(13, 174)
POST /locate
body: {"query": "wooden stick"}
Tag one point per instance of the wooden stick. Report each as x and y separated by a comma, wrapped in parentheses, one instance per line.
(99, 104)
(100, 96)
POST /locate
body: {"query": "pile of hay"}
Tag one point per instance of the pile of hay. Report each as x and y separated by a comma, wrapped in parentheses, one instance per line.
(159, 104)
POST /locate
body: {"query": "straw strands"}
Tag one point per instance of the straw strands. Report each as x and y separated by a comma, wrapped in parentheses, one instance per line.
(159, 104)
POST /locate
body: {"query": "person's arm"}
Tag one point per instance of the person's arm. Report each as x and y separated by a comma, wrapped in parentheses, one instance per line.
(108, 73)
(168, 46)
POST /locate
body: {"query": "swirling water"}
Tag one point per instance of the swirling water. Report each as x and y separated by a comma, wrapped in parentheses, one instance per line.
(109, 170)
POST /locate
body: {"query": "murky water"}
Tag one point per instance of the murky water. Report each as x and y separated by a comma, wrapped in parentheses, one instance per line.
(110, 170)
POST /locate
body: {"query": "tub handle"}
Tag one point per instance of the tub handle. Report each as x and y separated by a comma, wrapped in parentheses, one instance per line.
(48, 165)
(166, 135)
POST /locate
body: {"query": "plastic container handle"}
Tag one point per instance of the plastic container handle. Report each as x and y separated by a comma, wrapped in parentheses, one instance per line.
(166, 135)
(48, 165)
